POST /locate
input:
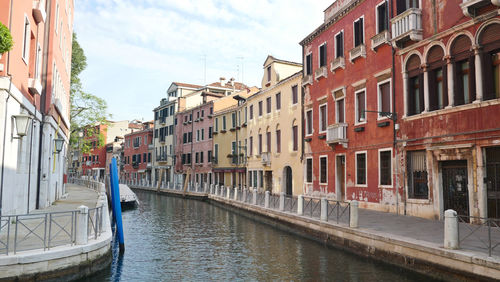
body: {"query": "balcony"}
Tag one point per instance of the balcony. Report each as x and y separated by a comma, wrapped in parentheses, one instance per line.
(151, 146)
(380, 39)
(336, 133)
(34, 86)
(307, 80)
(39, 13)
(470, 7)
(338, 62)
(163, 120)
(356, 52)
(407, 26)
(265, 158)
(320, 72)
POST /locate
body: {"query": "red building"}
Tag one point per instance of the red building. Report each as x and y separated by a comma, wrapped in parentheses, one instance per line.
(137, 150)
(448, 100)
(347, 85)
(93, 162)
(193, 148)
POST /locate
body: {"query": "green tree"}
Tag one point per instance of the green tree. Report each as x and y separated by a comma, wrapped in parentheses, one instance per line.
(87, 110)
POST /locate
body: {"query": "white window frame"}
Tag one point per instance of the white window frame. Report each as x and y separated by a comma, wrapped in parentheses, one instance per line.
(26, 40)
(312, 171)
(376, 15)
(337, 177)
(379, 98)
(319, 54)
(343, 43)
(356, 168)
(319, 169)
(356, 122)
(319, 118)
(392, 160)
(57, 18)
(353, 31)
(312, 121)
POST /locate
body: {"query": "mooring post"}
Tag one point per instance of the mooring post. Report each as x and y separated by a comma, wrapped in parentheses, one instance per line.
(82, 224)
(353, 221)
(451, 230)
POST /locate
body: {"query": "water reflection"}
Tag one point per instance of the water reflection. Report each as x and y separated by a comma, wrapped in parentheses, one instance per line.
(169, 238)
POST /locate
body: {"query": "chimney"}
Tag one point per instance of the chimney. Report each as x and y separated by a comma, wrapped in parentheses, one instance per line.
(222, 81)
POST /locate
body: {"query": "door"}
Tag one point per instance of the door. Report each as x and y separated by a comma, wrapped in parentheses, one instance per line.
(493, 181)
(269, 181)
(455, 191)
(340, 173)
(288, 181)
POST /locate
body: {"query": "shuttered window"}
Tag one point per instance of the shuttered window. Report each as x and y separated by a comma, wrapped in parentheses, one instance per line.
(322, 55)
(358, 32)
(384, 91)
(339, 45)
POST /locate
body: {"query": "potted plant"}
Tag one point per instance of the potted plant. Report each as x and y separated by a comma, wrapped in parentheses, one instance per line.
(6, 42)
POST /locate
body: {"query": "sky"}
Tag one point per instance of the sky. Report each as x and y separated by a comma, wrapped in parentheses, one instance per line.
(136, 48)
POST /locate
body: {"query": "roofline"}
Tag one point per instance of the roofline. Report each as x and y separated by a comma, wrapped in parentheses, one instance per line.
(283, 81)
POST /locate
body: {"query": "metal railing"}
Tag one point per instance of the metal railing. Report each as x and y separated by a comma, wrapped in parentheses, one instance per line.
(274, 201)
(340, 211)
(94, 222)
(290, 204)
(312, 207)
(261, 197)
(89, 183)
(486, 231)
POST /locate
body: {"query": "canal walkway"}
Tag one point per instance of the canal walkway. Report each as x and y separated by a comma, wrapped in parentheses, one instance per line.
(412, 241)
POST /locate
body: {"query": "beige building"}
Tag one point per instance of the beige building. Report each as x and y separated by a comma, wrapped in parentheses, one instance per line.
(274, 130)
(230, 138)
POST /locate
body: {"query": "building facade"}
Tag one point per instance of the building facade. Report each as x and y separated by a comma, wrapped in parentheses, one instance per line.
(34, 87)
(137, 150)
(274, 130)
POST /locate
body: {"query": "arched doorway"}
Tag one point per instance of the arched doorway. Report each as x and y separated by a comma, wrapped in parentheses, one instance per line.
(287, 177)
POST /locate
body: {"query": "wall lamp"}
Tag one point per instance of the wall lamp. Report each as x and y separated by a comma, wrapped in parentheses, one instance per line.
(22, 122)
(59, 142)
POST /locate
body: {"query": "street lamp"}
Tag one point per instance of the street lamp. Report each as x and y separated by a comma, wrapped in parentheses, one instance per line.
(22, 122)
(59, 142)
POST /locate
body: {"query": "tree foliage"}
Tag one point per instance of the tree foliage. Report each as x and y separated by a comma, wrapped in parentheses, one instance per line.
(87, 110)
(6, 42)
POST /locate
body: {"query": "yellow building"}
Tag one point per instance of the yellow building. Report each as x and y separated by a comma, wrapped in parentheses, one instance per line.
(230, 139)
(274, 130)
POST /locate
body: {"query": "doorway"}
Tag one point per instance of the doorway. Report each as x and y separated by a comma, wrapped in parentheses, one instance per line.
(455, 186)
(493, 181)
(288, 180)
(340, 177)
(269, 180)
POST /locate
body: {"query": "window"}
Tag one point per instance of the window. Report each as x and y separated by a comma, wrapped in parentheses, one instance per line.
(278, 101)
(202, 134)
(201, 157)
(384, 97)
(210, 132)
(295, 95)
(385, 168)
(403, 5)
(309, 118)
(268, 139)
(38, 63)
(209, 156)
(417, 175)
(295, 133)
(361, 168)
(269, 73)
(223, 122)
(309, 170)
(251, 112)
(309, 64)
(260, 108)
(260, 144)
(26, 41)
(278, 141)
(251, 145)
(340, 110)
(198, 135)
(323, 174)
(216, 124)
(360, 106)
(216, 153)
(359, 32)
(233, 120)
(322, 55)
(416, 95)
(382, 18)
(463, 65)
(464, 88)
(437, 71)
(268, 104)
(339, 44)
(322, 118)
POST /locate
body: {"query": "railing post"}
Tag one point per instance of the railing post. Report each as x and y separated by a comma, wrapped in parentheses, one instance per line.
(254, 199)
(300, 205)
(282, 201)
(82, 225)
(353, 208)
(451, 230)
(216, 190)
(266, 200)
(324, 209)
(228, 192)
(235, 193)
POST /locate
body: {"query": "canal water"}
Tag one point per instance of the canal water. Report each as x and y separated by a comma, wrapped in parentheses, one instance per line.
(174, 239)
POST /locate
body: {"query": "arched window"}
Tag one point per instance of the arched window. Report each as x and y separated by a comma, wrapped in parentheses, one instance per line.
(415, 86)
(463, 64)
(490, 41)
(436, 66)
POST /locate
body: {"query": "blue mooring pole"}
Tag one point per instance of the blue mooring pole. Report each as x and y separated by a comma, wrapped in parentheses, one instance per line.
(115, 202)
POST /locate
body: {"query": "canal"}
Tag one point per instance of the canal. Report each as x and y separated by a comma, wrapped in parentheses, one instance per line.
(169, 238)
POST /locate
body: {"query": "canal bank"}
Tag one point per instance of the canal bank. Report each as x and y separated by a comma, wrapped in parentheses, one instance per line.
(62, 242)
(416, 244)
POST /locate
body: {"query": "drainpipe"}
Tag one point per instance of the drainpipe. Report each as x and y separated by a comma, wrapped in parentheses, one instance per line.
(302, 110)
(43, 97)
(5, 117)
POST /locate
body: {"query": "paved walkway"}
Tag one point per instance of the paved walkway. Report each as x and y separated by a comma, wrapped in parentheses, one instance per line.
(38, 231)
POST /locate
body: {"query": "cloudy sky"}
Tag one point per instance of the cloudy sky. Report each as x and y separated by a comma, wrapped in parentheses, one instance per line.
(136, 48)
